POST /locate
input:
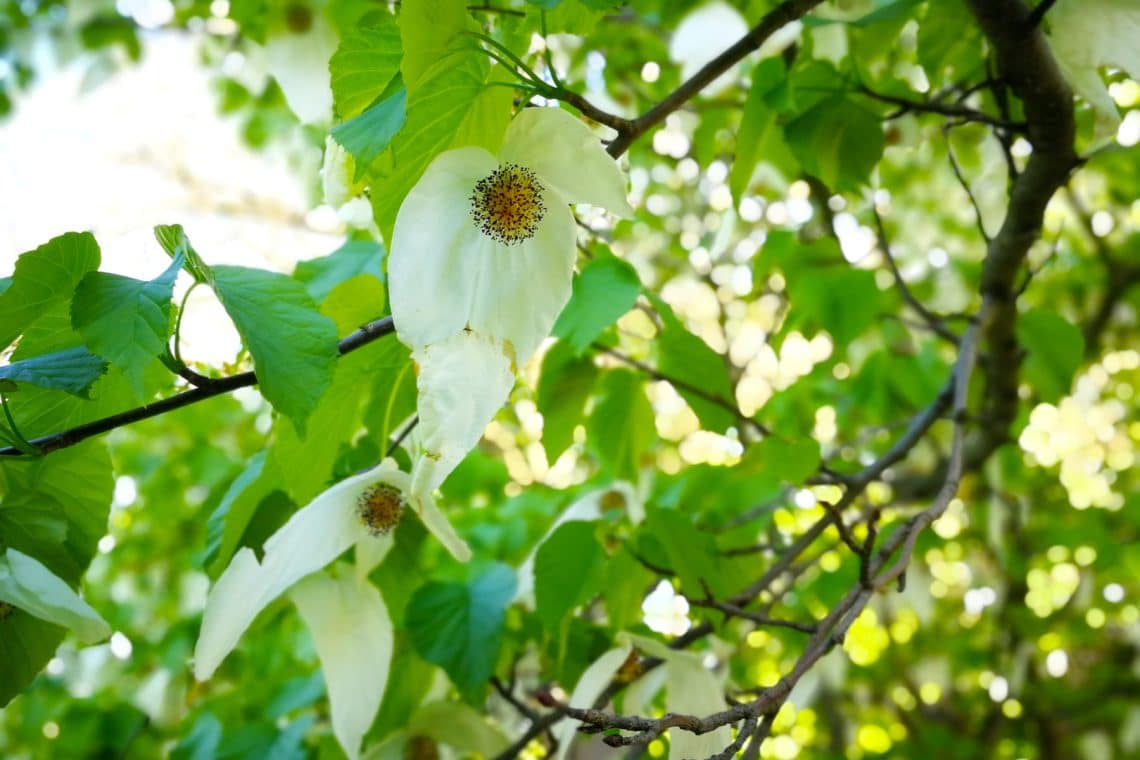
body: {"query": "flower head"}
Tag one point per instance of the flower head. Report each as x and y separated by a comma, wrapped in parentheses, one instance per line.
(481, 262)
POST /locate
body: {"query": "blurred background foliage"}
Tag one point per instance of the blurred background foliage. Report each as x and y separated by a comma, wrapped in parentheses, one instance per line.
(756, 236)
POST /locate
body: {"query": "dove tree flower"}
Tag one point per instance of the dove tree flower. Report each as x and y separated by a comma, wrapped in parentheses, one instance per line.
(481, 262)
(345, 614)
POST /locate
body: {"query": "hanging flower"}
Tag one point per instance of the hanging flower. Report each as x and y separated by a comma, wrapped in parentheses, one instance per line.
(481, 262)
(346, 615)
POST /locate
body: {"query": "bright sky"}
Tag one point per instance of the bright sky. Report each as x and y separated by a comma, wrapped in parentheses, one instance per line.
(147, 147)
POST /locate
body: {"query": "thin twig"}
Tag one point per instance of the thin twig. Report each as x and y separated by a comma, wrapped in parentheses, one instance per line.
(945, 109)
(48, 443)
(936, 325)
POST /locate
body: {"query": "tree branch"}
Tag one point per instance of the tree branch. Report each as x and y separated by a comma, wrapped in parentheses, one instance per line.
(780, 16)
(216, 386)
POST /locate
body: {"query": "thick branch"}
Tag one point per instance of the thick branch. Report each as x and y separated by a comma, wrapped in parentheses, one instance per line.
(215, 387)
(1027, 65)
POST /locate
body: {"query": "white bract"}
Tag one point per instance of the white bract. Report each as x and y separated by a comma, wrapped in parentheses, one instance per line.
(481, 262)
(27, 584)
(346, 615)
(297, 54)
(666, 611)
(1088, 34)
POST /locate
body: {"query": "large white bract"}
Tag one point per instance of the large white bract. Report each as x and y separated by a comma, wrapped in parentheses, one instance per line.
(346, 614)
(1088, 34)
(481, 262)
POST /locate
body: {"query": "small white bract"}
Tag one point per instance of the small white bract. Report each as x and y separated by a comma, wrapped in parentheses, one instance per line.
(346, 614)
(666, 611)
(1088, 34)
(481, 262)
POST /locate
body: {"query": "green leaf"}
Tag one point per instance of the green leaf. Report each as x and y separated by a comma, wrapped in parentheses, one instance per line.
(367, 135)
(227, 522)
(44, 277)
(621, 428)
(355, 257)
(125, 321)
(949, 43)
(306, 461)
(777, 460)
(837, 141)
(173, 240)
(459, 626)
(840, 299)
(436, 112)
(1054, 349)
(26, 644)
(293, 345)
(760, 136)
(563, 389)
(688, 359)
(73, 485)
(428, 33)
(691, 554)
(25, 583)
(364, 63)
(605, 289)
(567, 569)
(73, 370)
(626, 583)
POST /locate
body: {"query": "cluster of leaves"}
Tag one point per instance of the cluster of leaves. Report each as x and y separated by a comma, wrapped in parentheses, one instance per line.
(836, 114)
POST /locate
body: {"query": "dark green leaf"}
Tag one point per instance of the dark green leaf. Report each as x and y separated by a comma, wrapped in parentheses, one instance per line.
(840, 299)
(621, 428)
(760, 136)
(563, 389)
(43, 278)
(701, 373)
(567, 568)
(74, 485)
(293, 345)
(125, 321)
(692, 555)
(837, 141)
(459, 626)
(227, 522)
(605, 289)
(26, 644)
(73, 370)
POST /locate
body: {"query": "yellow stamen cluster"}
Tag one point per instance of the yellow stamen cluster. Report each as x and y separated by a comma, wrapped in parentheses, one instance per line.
(380, 508)
(506, 205)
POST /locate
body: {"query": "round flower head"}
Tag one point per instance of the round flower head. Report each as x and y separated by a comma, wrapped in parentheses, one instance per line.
(486, 243)
(481, 263)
